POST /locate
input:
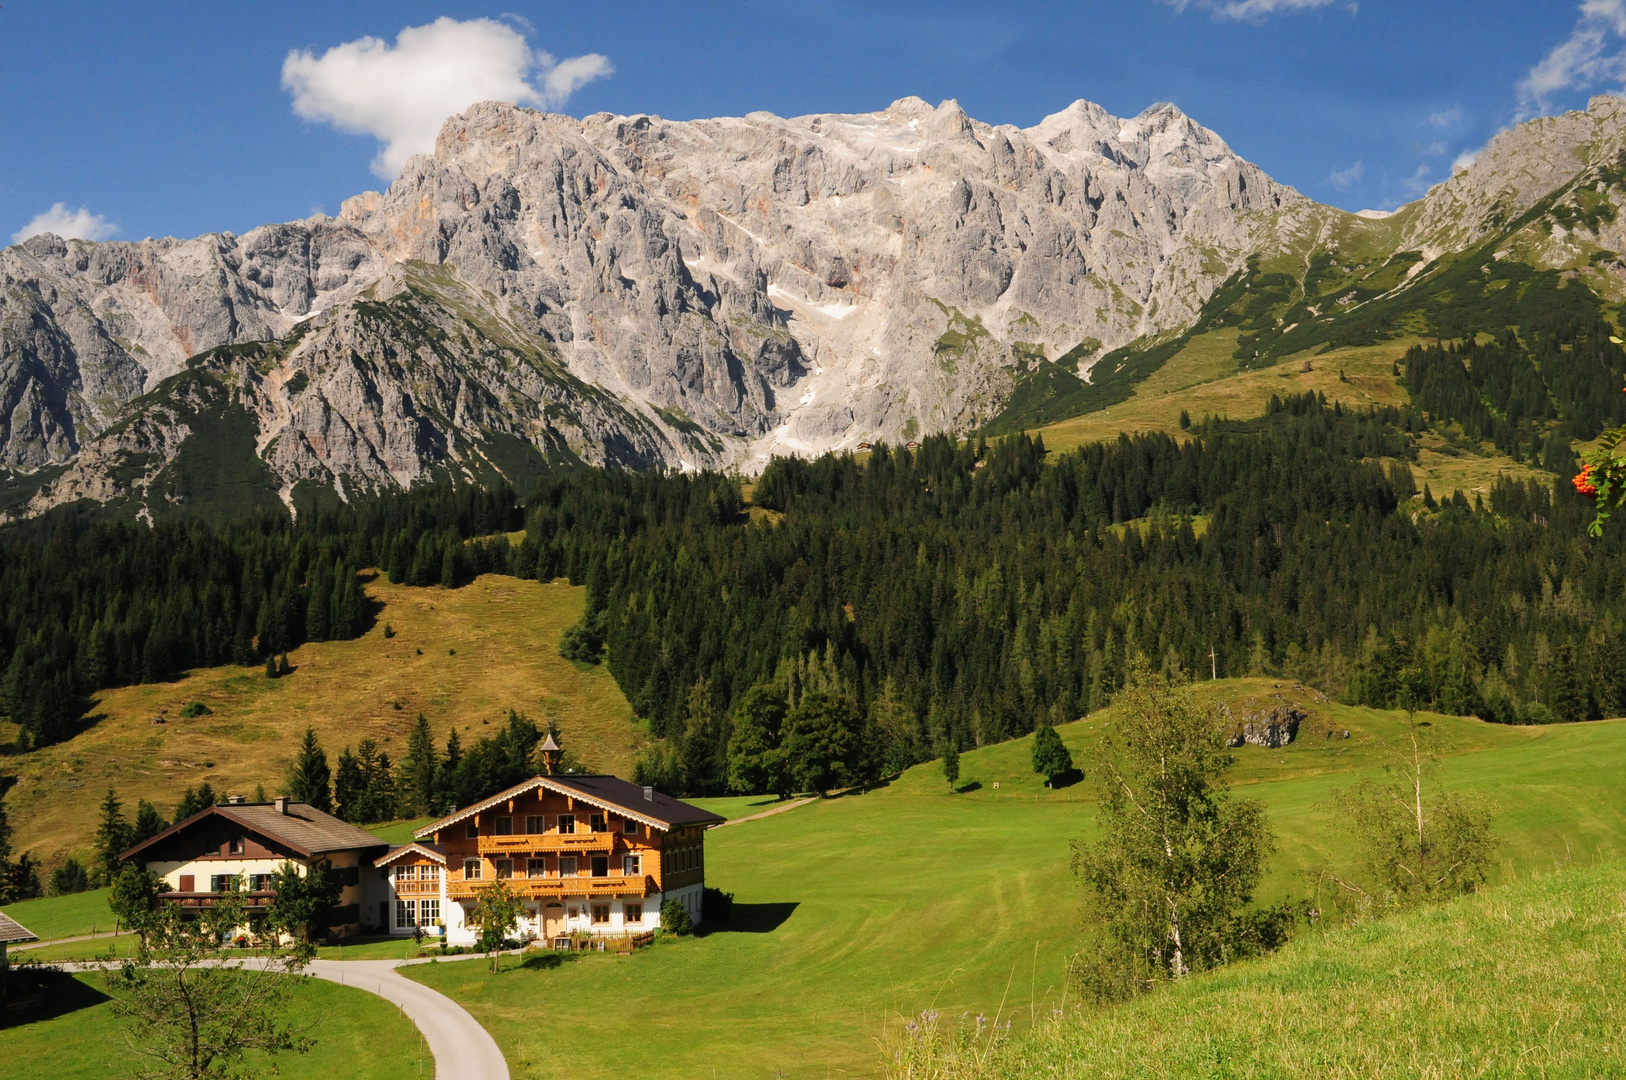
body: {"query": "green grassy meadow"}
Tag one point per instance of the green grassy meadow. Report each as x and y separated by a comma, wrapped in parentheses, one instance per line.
(358, 1037)
(859, 911)
(64, 916)
(1528, 980)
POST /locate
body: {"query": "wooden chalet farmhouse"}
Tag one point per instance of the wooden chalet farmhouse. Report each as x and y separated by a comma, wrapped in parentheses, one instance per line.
(589, 854)
(198, 857)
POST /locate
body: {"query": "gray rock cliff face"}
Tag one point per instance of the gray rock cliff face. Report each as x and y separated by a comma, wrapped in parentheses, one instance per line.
(646, 292)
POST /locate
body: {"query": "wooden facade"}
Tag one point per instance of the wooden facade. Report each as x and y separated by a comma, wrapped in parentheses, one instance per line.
(588, 854)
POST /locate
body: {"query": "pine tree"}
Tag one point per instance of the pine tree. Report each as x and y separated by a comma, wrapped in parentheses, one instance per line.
(112, 838)
(283, 667)
(418, 770)
(309, 779)
(270, 667)
(349, 784)
(1050, 755)
(148, 823)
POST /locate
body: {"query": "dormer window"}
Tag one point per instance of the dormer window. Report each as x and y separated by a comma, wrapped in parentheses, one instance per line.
(238, 845)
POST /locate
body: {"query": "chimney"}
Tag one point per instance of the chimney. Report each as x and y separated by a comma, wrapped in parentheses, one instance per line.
(281, 804)
(234, 800)
(649, 794)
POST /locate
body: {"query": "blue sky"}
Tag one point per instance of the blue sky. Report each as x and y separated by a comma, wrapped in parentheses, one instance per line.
(179, 118)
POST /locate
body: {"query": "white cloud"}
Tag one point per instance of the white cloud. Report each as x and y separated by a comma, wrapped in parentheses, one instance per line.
(1417, 183)
(1464, 160)
(402, 94)
(1444, 118)
(1255, 10)
(78, 224)
(1342, 178)
(1579, 62)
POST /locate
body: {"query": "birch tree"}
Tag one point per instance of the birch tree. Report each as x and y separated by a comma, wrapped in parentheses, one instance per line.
(1179, 858)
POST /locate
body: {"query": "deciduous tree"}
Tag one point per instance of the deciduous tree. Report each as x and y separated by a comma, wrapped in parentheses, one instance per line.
(756, 761)
(194, 1007)
(1418, 841)
(1179, 858)
(497, 913)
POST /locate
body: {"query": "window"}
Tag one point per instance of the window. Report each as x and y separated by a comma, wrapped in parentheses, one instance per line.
(629, 827)
(567, 823)
(505, 826)
(405, 873)
(536, 823)
(432, 872)
(536, 867)
(567, 866)
(471, 869)
(238, 845)
(596, 823)
(406, 913)
(601, 914)
(601, 866)
(505, 869)
(223, 883)
(261, 882)
(633, 913)
(474, 831)
(631, 865)
(430, 911)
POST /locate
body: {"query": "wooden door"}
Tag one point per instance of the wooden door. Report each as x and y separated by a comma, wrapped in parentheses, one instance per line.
(553, 922)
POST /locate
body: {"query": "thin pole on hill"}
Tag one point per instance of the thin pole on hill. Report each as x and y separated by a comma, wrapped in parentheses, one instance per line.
(1213, 664)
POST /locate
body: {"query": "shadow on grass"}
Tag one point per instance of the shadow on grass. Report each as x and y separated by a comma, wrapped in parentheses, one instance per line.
(543, 961)
(1066, 779)
(44, 994)
(752, 918)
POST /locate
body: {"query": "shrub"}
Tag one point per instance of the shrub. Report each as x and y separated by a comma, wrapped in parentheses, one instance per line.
(675, 918)
(70, 877)
(196, 709)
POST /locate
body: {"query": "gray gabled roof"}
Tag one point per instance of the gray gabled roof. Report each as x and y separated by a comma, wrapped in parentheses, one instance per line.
(12, 931)
(303, 828)
(606, 792)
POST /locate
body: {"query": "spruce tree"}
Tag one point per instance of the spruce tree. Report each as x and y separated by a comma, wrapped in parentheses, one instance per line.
(418, 770)
(1050, 755)
(951, 764)
(148, 823)
(349, 784)
(309, 779)
(112, 838)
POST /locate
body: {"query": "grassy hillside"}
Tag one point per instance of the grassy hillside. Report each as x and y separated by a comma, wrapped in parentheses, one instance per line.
(858, 910)
(1526, 980)
(1205, 379)
(358, 1036)
(462, 657)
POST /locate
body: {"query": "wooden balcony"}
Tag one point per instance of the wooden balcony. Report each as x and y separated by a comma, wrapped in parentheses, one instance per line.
(418, 886)
(558, 888)
(526, 843)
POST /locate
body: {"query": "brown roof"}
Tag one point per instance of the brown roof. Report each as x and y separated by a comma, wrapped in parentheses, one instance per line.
(433, 851)
(12, 931)
(606, 792)
(303, 828)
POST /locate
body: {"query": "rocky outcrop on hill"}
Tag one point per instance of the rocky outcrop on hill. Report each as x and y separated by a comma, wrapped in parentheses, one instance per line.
(1272, 728)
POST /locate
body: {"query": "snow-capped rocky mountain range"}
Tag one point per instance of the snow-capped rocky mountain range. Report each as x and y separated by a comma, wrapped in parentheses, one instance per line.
(645, 292)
